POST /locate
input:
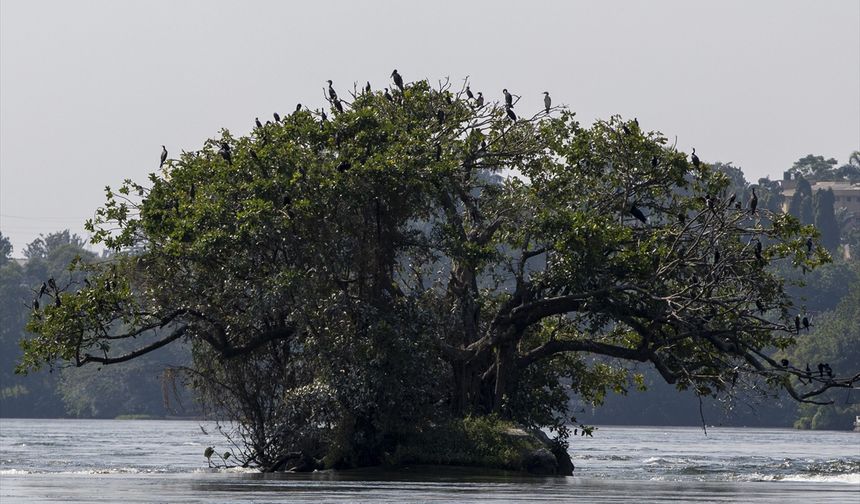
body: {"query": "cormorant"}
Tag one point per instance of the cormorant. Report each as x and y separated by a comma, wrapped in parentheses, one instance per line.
(398, 80)
(253, 154)
(636, 122)
(323, 115)
(57, 300)
(225, 153)
(655, 161)
(511, 115)
(695, 158)
(753, 202)
(682, 218)
(440, 116)
(758, 251)
(469, 93)
(625, 129)
(367, 88)
(388, 95)
(52, 284)
(784, 362)
(298, 107)
(438, 152)
(35, 304)
(43, 289)
(331, 92)
(257, 122)
(809, 245)
(547, 101)
(163, 156)
(797, 323)
(338, 105)
(805, 322)
(716, 256)
(277, 117)
(820, 370)
(760, 306)
(828, 370)
(509, 100)
(635, 212)
(344, 166)
(480, 101)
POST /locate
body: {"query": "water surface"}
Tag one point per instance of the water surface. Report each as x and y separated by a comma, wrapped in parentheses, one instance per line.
(109, 461)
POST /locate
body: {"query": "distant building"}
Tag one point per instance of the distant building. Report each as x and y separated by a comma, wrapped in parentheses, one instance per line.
(846, 194)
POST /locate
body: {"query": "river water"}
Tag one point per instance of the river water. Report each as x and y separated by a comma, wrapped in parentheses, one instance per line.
(123, 461)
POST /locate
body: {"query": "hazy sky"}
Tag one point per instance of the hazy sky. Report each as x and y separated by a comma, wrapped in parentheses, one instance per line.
(89, 90)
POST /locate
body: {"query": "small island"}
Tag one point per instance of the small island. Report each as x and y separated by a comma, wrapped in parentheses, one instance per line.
(423, 275)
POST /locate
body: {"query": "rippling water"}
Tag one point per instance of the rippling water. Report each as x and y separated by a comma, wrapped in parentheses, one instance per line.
(162, 461)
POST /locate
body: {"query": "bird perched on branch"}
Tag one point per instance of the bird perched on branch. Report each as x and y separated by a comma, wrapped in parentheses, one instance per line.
(257, 122)
(480, 100)
(225, 152)
(367, 88)
(635, 212)
(695, 159)
(547, 101)
(509, 100)
(277, 117)
(805, 322)
(332, 94)
(398, 80)
(163, 156)
(469, 93)
(388, 95)
(797, 323)
(511, 115)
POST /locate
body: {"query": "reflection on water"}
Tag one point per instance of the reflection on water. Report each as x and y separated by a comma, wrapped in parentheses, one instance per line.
(109, 461)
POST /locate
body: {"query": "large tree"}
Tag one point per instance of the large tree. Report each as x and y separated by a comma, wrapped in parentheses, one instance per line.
(346, 280)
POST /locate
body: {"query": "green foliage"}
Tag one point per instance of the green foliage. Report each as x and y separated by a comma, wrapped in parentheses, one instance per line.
(833, 340)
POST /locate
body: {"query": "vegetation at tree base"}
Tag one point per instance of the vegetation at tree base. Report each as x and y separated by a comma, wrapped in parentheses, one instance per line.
(347, 284)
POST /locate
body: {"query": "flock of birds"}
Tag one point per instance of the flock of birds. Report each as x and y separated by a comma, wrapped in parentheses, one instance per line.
(634, 210)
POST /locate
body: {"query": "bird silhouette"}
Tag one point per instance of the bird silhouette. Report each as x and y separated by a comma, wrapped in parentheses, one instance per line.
(635, 212)
(438, 152)
(440, 116)
(277, 117)
(480, 100)
(809, 245)
(257, 122)
(784, 362)
(225, 152)
(332, 94)
(43, 289)
(163, 156)
(805, 322)
(654, 162)
(511, 115)
(547, 101)
(695, 158)
(52, 284)
(820, 370)
(757, 250)
(35, 305)
(509, 100)
(367, 88)
(760, 306)
(398, 80)
(338, 106)
(469, 93)
(797, 323)
(298, 107)
(388, 95)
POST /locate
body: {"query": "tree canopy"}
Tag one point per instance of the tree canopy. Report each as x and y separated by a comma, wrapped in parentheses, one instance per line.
(346, 278)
